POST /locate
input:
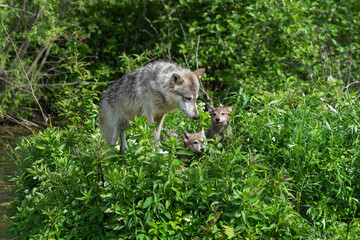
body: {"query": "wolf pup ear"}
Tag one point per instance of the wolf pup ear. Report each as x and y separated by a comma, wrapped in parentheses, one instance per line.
(202, 131)
(229, 109)
(176, 79)
(186, 135)
(210, 108)
(199, 71)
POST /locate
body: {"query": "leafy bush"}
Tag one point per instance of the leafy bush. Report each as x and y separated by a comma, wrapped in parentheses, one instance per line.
(291, 171)
(272, 44)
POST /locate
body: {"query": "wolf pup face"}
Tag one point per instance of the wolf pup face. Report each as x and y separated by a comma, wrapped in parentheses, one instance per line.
(195, 142)
(186, 87)
(220, 116)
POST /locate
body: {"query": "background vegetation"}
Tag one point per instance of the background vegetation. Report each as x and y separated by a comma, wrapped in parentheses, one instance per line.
(289, 68)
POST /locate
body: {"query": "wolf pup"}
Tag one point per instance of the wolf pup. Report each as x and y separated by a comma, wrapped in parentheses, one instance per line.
(220, 119)
(195, 142)
(152, 91)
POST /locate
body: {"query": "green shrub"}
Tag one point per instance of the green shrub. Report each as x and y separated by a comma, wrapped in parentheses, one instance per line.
(268, 43)
(290, 171)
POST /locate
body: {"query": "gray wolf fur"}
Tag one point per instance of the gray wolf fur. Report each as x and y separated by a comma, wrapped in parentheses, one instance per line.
(220, 122)
(152, 91)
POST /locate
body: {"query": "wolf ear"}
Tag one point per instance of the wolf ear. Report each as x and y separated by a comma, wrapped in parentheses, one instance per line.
(229, 109)
(202, 131)
(210, 108)
(186, 135)
(176, 79)
(199, 71)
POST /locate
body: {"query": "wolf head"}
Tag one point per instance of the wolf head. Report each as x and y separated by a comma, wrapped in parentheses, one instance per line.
(185, 85)
(195, 142)
(220, 116)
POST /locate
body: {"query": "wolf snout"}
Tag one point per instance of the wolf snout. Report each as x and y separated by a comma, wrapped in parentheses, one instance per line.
(195, 117)
(217, 119)
(202, 149)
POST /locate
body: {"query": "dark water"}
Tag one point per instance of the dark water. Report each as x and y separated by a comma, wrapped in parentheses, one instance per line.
(8, 138)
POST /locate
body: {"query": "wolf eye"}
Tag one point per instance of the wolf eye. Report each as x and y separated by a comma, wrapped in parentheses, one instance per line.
(222, 113)
(214, 114)
(187, 98)
(195, 142)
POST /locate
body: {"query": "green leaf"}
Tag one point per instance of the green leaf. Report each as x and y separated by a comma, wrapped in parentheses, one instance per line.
(167, 214)
(229, 231)
(185, 152)
(148, 202)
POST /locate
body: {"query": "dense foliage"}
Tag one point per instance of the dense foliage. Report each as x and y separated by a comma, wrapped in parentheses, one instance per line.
(272, 44)
(291, 171)
(289, 69)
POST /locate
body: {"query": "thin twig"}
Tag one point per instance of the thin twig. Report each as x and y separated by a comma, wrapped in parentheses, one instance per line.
(77, 153)
(29, 123)
(8, 131)
(227, 92)
(186, 61)
(17, 9)
(146, 31)
(100, 174)
(154, 28)
(168, 30)
(329, 55)
(27, 77)
(10, 84)
(196, 52)
(208, 99)
(36, 60)
(347, 87)
(186, 43)
(345, 52)
(18, 122)
(44, 58)
(64, 84)
(350, 55)
(67, 188)
(320, 49)
(339, 68)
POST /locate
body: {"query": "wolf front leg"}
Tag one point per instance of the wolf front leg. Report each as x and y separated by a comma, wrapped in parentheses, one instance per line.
(159, 128)
(150, 120)
(110, 134)
(109, 126)
(157, 133)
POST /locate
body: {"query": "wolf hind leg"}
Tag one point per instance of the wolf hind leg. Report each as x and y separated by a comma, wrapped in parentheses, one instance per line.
(123, 144)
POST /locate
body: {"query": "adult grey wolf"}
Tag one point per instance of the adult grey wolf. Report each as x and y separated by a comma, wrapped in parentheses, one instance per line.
(152, 91)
